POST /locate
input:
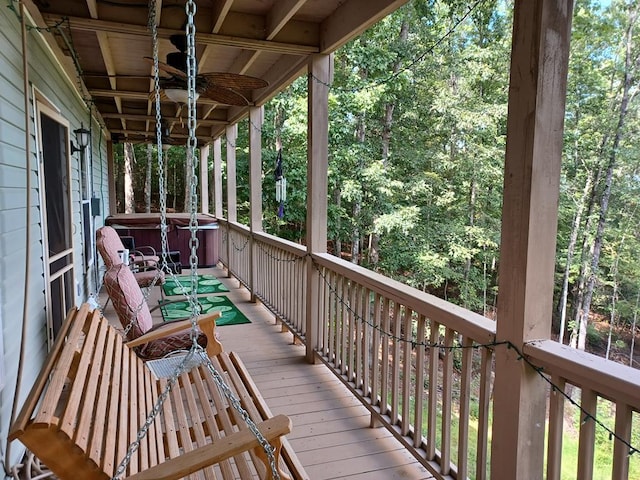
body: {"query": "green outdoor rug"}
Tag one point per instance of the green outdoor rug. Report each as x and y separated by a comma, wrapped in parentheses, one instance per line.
(181, 285)
(230, 313)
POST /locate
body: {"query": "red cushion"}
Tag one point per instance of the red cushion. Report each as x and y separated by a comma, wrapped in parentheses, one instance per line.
(130, 305)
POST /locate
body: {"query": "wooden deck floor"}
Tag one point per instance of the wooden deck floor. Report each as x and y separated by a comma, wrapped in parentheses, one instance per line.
(331, 433)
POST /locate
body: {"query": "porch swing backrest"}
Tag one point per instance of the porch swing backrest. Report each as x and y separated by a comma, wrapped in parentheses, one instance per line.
(110, 246)
(90, 399)
(132, 308)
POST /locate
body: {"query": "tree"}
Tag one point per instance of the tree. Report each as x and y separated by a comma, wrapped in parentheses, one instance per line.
(129, 162)
(611, 152)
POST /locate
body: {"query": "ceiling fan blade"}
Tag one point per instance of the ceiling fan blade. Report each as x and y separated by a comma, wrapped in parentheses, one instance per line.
(224, 95)
(168, 68)
(234, 81)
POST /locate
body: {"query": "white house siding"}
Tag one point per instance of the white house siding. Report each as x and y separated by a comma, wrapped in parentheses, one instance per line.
(46, 76)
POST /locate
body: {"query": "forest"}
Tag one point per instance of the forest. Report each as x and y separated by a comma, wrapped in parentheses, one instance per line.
(418, 108)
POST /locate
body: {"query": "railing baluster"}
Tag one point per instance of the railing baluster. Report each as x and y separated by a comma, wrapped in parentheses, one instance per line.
(432, 408)
(556, 424)
(407, 371)
(351, 331)
(624, 417)
(375, 351)
(325, 317)
(587, 434)
(367, 344)
(484, 400)
(344, 324)
(447, 394)
(384, 371)
(418, 430)
(358, 343)
(464, 411)
(395, 362)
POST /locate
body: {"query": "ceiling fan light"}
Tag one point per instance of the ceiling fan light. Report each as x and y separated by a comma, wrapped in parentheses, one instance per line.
(179, 95)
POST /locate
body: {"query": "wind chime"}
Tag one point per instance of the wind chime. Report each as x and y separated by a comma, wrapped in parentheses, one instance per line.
(281, 185)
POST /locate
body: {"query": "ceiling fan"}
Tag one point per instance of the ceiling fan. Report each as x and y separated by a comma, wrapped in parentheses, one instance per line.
(225, 88)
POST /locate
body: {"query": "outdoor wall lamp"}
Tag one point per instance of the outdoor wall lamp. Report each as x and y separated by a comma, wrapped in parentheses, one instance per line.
(82, 136)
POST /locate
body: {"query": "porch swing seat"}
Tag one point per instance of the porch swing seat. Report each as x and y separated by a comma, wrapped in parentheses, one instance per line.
(93, 396)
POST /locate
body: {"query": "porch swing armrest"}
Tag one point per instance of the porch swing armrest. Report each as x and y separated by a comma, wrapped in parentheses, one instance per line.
(221, 449)
(206, 323)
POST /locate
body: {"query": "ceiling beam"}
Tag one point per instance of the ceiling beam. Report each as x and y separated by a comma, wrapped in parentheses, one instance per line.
(107, 57)
(152, 119)
(220, 12)
(281, 12)
(337, 31)
(148, 137)
(97, 92)
(94, 25)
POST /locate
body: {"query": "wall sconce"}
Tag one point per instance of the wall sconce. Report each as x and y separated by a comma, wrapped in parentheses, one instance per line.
(83, 137)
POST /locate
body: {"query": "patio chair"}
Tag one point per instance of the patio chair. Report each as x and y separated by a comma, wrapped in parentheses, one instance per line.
(131, 306)
(111, 247)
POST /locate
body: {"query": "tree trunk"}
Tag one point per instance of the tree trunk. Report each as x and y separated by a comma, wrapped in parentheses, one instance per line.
(472, 220)
(355, 234)
(174, 187)
(337, 195)
(633, 329)
(147, 180)
(357, 203)
(129, 160)
(573, 240)
(604, 202)
(374, 239)
(614, 299)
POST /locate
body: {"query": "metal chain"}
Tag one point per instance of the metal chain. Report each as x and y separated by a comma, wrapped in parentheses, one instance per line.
(191, 77)
(190, 32)
(156, 90)
(154, 34)
(190, 8)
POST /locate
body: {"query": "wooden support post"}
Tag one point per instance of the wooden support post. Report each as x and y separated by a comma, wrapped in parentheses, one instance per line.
(111, 174)
(537, 91)
(255, 193)
(231, 134)
(217, 178)
(319, 79)
(204, 179)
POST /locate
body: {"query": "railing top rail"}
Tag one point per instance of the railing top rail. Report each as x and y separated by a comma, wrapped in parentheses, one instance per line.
(281, 243)
(608, 379)
(234, 225)
(466, 322)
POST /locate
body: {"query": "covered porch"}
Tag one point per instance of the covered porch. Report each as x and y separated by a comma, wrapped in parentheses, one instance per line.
(379, 378)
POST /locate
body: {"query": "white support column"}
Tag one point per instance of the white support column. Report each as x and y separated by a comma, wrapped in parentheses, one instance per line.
(255, 193)
(204, 178)
(232, 204)
(319, 79)
(231, 134)
(217, 178)
(537, 92)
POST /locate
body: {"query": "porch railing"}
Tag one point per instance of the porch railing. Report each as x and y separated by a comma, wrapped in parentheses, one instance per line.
(424, 367)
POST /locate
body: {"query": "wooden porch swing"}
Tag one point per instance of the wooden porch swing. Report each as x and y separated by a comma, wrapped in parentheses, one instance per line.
(98, 412)
(89, 402)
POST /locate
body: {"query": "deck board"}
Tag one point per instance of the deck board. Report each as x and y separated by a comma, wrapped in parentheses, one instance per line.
(331, 433)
